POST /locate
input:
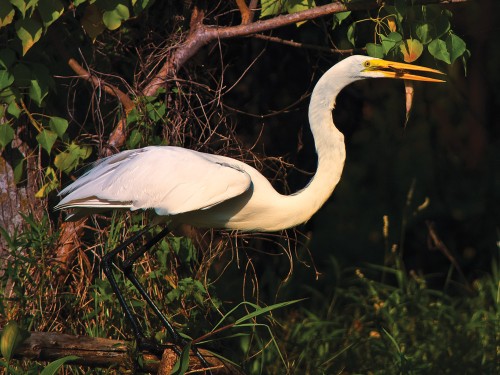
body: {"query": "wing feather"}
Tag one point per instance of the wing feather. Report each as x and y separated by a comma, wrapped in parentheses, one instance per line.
(170, 180)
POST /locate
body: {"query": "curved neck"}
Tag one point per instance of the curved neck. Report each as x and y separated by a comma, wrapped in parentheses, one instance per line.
(330, 147)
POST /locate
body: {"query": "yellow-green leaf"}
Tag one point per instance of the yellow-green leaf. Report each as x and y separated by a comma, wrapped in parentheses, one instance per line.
(46, 139)
(114, 18)
(12, 336)
(50, 11)
(411, 49)
(29, 31)
(7, 13)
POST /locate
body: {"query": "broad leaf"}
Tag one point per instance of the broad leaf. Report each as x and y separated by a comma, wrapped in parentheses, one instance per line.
(437, 48)
(113, 19)
(12, 336)
(50, 11)
(29, 31)
(37, 92)
(411, 49)
(6, 134)
(22, 75)
(456, 46)
(58, 125)
(424, 32)
(338, 18)
(92, 21)
(272, 7)
(46, 139)
(375, 50)
(7, 13)
(6, 79)
(390, 41)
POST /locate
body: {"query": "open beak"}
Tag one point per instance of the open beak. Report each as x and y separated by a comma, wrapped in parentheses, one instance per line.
(392, 69)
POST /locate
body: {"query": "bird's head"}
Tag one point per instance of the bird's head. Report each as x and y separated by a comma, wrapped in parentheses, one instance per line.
(370, 67)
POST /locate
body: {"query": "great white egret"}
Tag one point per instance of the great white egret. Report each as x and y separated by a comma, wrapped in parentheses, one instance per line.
(213, 191)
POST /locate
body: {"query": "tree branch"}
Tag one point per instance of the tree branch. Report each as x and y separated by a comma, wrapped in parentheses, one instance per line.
(204, 34)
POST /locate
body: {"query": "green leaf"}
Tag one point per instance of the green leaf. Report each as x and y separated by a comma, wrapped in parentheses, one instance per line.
(271, 7)
(338, 18)
(113, 19)
(7, 58)
(389, 42)
(294, 6)
(53, 367)
(46, 139)
(350, 33)
(50, 11)
(29, 31)
(7, 13)
(6, 134)
(18, 171)
(141, 5)
(68, 160)
(375, 50)
(182, 364)
(14, 109)
(12, 336)
(37, 92)
(437, 48)
(134, 139)
(442, 25)
(58, 125)
(6, 79)
(456, 46)
(424, 32)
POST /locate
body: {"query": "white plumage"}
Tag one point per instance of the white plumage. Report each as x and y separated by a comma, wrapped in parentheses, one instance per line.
(204, 190)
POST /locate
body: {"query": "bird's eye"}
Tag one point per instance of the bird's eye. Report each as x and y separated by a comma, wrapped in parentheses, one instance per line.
(366, 64)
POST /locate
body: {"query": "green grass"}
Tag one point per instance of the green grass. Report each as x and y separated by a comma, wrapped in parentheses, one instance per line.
(378, 319)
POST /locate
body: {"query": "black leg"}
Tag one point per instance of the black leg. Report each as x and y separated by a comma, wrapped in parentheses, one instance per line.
(126, 267)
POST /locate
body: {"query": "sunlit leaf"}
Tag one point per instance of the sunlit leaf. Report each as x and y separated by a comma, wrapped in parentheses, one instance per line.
(14, 110)
(272, 7)
(411, 49)
(29, 31)
(437, 48)
(338, 18)
(113, 19)
(7, 13)
(50, 11)
(12, 336)
(391, 23)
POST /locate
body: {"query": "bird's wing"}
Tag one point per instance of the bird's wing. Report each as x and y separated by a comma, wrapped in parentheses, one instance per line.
(171, 180)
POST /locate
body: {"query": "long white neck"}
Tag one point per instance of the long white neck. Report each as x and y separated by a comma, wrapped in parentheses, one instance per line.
(330, 147)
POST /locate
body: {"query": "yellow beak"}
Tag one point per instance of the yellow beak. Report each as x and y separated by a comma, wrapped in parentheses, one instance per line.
(392, 69)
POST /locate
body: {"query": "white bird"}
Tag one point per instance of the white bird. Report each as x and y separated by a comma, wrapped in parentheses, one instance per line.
(213, 191)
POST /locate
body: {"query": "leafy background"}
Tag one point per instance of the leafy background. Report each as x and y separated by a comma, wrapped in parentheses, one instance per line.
(398, 271)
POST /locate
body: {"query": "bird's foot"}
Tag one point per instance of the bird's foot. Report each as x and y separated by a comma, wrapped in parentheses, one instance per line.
(153, 347)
